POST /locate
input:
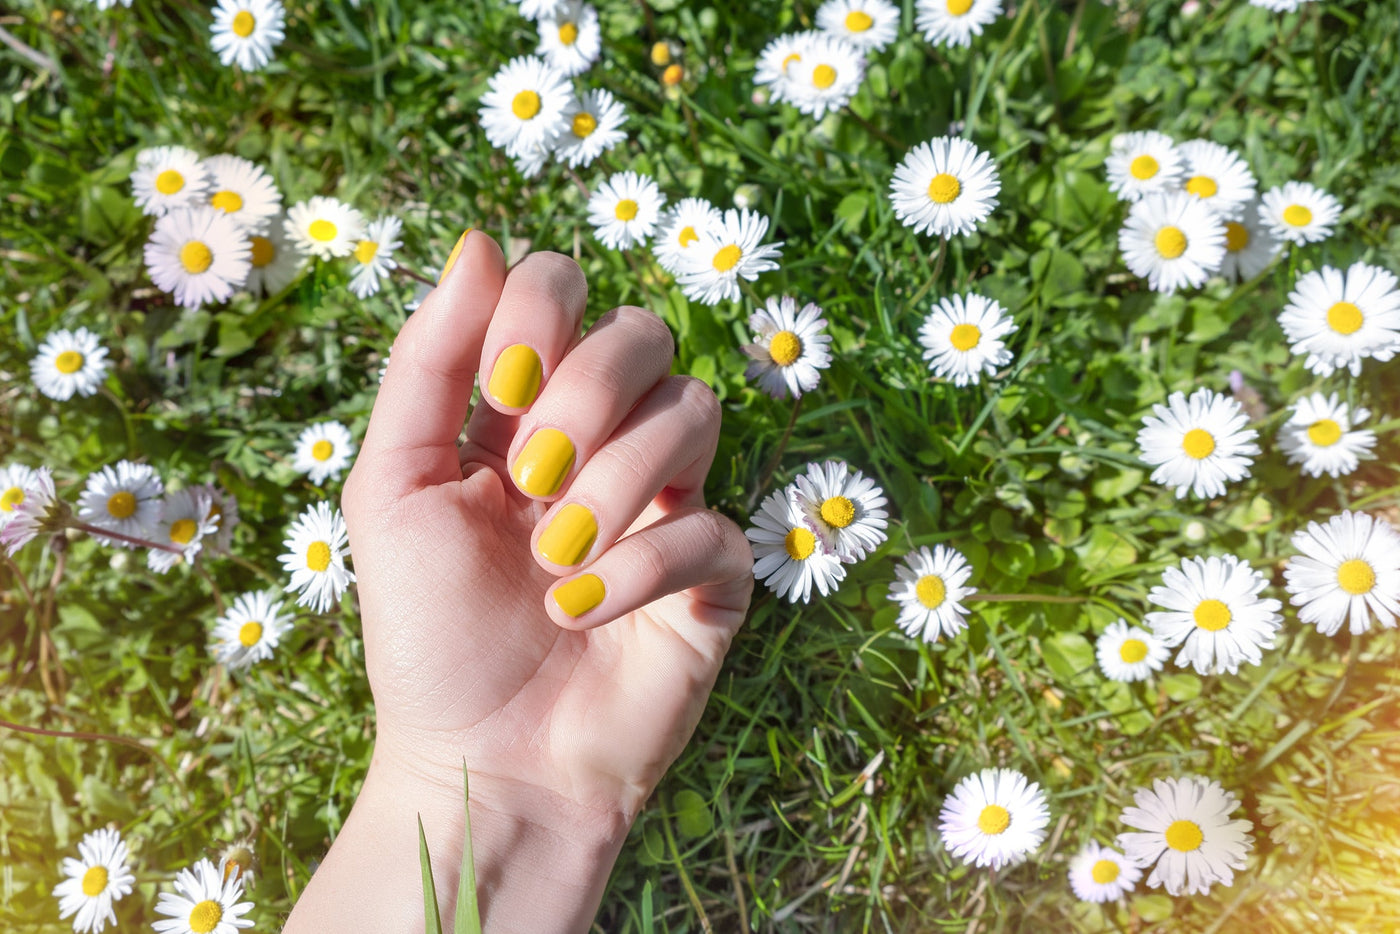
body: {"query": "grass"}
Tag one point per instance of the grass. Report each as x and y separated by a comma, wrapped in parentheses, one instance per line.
(808, 799)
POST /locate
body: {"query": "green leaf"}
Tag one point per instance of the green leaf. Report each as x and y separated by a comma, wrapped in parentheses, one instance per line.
(693, 814)
(1068, 655)
(468, 917)
(432, 921)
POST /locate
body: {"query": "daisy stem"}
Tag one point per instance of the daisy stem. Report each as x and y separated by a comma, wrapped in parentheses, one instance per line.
(1024, 598)
(937, 270)
(46, 646)
(128, 539)
(415, 276)
(106, 737)
(777, 455)
(126, 420)
(19, 578)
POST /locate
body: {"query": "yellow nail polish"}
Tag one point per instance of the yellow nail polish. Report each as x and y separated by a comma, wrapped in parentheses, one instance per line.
(452, 257)
(566, 540)
(515, 379)
(580, 595)
(544, 463)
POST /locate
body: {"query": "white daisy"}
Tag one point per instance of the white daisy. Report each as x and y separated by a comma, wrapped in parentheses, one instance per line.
(1187, 837)
(317, 546)
(206, 901)
(1173, 240)
(570, 38)
(962, 338)
(846, 511)
(69, 363)
(929, 587)
(728, 251)
(524, 106)
(827, 76)
(243, 191)
(869, 25)
(993, 818)
(1319, 436)
(945, 187)
(125, 499)
(323, 451)
(1279, 6)
(198, 254)
(1142, 163)
(1299, 212)
(98, 878)
(592, 125)
(108, 4)
(250, 630)
(187, 516)
(1100, 874)
(1127, 653)
(28, 516)
(168, 177)
(1349, 570)
(15, 480)
(954, 22)
(788, 556)
(1339, 319)
(244, 32)
(324, 227)
(790, 348)
(779, 64)
(680, 229)
(223, 508)
(531, 160)
(1212, 609)
(1218, 177)
(1249, 247)
(535, 9)
(624, 210)
(1198, 444)
(274, 263)
(374, 255)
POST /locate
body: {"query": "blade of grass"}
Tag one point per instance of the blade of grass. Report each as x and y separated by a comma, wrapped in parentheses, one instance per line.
(468, 917)
(432, 921)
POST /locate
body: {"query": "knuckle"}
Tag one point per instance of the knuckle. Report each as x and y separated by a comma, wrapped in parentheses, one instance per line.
(649, 559)
(648, 329)
(701, 401)
(556, 278)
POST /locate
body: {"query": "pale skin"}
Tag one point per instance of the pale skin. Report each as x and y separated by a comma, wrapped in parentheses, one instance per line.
(566, 722)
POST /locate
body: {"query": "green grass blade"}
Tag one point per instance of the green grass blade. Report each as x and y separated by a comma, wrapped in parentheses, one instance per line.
(468, 917)
(432, 921)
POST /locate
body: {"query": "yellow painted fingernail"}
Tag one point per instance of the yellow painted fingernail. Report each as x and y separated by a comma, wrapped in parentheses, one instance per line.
(580, 595)
(544, 463)
(452, 257)
(516, 377)
(566, 540)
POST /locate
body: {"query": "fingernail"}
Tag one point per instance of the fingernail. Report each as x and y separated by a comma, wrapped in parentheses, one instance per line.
(544, 463)
(567, 539)
(452, 257)
(515, 379)
(580, 595)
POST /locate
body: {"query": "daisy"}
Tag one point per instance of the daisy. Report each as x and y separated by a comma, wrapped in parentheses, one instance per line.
(324, 227)
(206, 902)
(788, 556)
(1127, 653)
(1100, 874)
(69, 363)
(14, 481)
(250, 630)
(726, 252)
(108, 4)
(223, 508)
(317, 546)
(1142, 163)
(827, 76)
(1173, 240)
(790, 348)
(198, 254)
(570, 38)
(869, 25)
(962, 338)
(1249, 247)
(1349, 569)
(954, 22)
(536, 9)
(779, 64)
(1279, 6)
(96, 880)
(1299, 213)
(994, 818)
(374, 255)
(1186, 836)
(531, 160)
(1218, 177)
(1319, 436)
(524, 106)
(168, 177)
(323, 451)
(30, 514)
(1339, 319)
(274, 263)
(680, 229)
(244, 32)
(592, 126)
(929, 588)
(624, 210)
(1212, 609)
(847, 512)
(1198, 444)
(243, 191)
(187, 516)
(125, 499)
(945, 187)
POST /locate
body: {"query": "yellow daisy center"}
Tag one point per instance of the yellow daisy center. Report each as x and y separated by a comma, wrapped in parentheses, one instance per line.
(1104, 871)
(792, 57)
(688, 236)
(1198, 444)
(959, 7)
(626, 210)
(858, 21)
(1356, 577)
(1170, 242)
(1236, 236)
(68, 362)
(1345, 318)
(263, 252)
(823, 76)
(11, 498)
(584, 125)
(525, 105)
(227, 201)
(94, 881)
(366, 250)
(1143, 167)
(1132, 651)
(799, 544)
(1201, 186)
(182, 531)
(1324, 432)
(994, 819)
(944, 188)
(672, 75)
(660, 54)
(1184, 836)
(250, 633)
(965, 337)
(318, 556)
(838, 511)
(243, 24)
(206, 916)
(931, 591)
(1297, 215)
(785, 348)
(196, 257)
(169, 182)
(322, 450)
(727, 258)
(568, 33)
(121, 504)
(323, 230)
(1212, 615)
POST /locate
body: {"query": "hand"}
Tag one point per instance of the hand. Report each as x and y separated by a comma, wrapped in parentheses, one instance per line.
(567, 700)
